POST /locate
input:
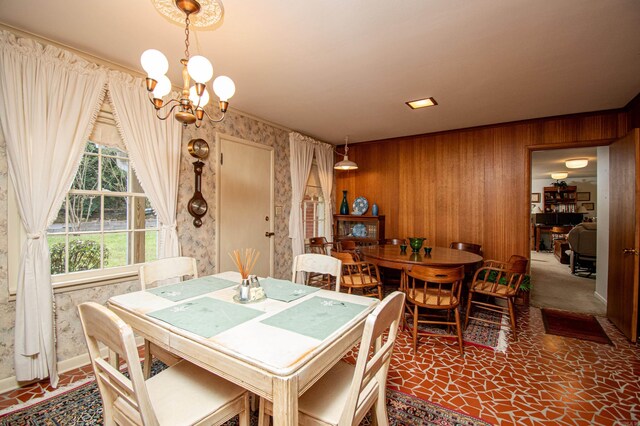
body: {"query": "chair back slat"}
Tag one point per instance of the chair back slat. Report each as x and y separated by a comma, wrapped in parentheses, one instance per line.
(164, 269)
(372, 366)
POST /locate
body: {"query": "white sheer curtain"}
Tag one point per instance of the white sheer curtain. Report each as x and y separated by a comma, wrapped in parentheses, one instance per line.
(324, 159)
(301, 157)
(49, 99)
(154, 149)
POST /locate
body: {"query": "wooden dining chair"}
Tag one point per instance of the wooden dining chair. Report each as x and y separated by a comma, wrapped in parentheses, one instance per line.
(498, 280)
(359, 275)
(311, 263)
(430, 291)
(167, 268)
(159, 271)
(183, 394)
(346, 393)
(470, 247)
(319, 245)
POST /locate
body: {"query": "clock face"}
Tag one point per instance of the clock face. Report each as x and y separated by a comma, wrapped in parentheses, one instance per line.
(198, 206)
(198, 148)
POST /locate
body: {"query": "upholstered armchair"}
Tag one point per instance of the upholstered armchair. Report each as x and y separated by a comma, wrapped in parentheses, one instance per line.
(583, 244)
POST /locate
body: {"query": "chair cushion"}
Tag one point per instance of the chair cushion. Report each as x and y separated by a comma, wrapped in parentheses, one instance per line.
(185, 393)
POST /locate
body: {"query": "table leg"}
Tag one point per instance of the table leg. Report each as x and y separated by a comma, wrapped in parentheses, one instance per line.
(285, 401)
(537, 228)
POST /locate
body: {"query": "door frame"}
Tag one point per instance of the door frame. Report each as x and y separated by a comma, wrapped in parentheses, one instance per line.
(218, 171)
(527, 167)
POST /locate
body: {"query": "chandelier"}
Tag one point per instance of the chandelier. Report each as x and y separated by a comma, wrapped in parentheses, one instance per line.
(194, 98)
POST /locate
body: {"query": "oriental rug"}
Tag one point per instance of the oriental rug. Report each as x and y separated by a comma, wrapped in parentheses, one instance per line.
(81, 405)
(478, 333)
(572, 324)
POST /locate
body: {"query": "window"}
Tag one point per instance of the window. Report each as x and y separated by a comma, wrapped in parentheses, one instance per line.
(105, 226)
(313, 206)
(106, 221)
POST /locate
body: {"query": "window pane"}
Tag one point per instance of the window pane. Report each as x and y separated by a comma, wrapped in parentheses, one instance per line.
(58, 253)
(84, 252)
(115, 213)
(107, 150)
(58, 225)
(115, 174)
(116, 249)
(150, 245)
(87, 175)
(84, 212)
(150, 217)
(91, 147)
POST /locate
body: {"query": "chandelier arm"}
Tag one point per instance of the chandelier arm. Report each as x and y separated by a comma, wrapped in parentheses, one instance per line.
(168, 112)
(214, 120)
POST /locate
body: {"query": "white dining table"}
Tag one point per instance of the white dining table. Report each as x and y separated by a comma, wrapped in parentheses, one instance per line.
(276, 363)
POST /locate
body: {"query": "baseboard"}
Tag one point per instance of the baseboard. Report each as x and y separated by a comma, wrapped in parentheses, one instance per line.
(602, 299)
(10, 383)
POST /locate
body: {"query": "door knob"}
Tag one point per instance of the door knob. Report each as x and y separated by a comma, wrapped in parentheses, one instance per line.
(630, 251)
(269, 234)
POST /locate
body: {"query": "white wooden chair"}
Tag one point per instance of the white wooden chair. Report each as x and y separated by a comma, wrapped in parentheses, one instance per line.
(164, 269)
(156, 272)
(183, 394)
(319, 264)
(346, 393)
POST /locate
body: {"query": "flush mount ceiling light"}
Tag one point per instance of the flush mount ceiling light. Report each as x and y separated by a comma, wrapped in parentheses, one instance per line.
(559, 175)
(345, 164)
(576, 163)
(422, 103)
(193, 99)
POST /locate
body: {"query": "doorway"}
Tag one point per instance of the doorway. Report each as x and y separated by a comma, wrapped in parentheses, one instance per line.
(556, 204)
(244, 214)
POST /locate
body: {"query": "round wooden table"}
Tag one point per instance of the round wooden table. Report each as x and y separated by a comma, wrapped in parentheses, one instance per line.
(389, 256)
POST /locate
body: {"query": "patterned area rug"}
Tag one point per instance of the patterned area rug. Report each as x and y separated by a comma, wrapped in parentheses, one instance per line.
(478, 333)
(82, 405)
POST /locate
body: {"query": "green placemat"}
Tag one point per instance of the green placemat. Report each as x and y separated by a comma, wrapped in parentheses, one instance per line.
(317, 317)
(205, 316)
(284, 290)
(192, 288)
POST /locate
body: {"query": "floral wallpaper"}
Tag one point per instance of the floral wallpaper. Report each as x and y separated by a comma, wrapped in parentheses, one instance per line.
(196, 242)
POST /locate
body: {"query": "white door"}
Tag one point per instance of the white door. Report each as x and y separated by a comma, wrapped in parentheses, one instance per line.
(245, 202)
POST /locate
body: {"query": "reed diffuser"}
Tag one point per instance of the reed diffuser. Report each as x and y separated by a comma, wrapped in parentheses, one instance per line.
(249, 289)
(245, 263)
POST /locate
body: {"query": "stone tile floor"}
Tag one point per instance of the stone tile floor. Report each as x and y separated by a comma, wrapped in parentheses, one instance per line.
(541, 379)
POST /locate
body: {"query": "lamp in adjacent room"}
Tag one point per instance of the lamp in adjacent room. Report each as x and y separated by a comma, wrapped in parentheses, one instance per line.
(559, 175)
(576, 163)
(345, 164)
(193, 99)
(582, 209)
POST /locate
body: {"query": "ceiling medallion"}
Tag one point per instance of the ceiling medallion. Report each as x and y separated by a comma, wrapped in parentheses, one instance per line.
(209, 12)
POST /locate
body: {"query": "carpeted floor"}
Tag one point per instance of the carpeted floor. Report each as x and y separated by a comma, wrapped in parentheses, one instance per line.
(554, 287)
(82, 405)
(577, 326)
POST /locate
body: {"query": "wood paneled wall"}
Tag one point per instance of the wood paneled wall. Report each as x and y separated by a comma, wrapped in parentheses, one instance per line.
(468, 185)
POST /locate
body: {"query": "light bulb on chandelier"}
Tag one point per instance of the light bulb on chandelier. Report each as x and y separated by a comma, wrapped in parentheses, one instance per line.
(193, 99)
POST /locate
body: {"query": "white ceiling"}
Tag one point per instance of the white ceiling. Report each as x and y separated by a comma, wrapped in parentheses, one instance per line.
(543, 163)
(345, 67)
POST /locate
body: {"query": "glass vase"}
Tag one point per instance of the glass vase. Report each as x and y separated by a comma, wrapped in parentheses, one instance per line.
(344, 206)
